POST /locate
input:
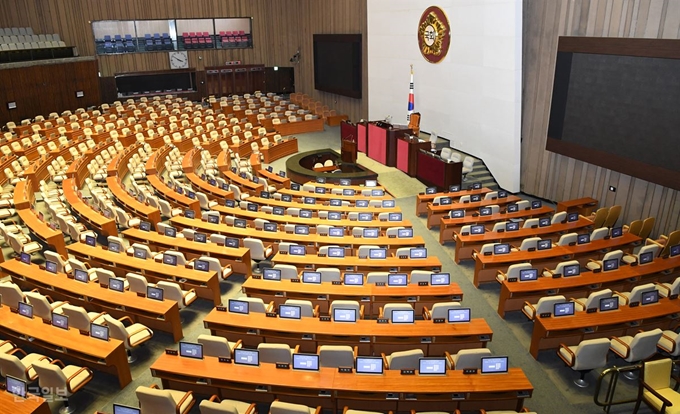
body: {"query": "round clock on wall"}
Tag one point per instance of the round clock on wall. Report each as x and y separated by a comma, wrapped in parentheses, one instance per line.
(179, 60)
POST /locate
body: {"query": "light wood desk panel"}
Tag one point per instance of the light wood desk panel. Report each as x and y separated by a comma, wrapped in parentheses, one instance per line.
(11, 404)
(422, 199)
(354, 263)
(436, 213)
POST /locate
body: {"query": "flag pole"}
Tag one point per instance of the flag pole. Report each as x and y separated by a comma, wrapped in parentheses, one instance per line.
(411, 98)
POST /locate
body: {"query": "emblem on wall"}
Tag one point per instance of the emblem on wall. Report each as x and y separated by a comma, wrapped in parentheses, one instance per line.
(434, 34)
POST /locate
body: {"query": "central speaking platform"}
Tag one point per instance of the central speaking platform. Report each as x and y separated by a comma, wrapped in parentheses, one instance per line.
(301, 168)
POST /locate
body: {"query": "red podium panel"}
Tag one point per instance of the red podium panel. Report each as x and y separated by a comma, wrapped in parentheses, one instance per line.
(362, 137)
(377, 143)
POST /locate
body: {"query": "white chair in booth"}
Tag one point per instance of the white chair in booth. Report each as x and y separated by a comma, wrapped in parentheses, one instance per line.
(558, 217)
(217, 346)
(387, 310)
(223, 272)
(103, 275)
(544, 305)
(634, 349)
(20, 366)
(668, 289)
(335, 356)
(468, 166)
(347, 304)
(418, 276)
(584, 357)
(633, 258)
(599, 264)
(329, 274)
(513, 271)
(592, 301)
(43, 305)
(276, 353)
(68, 379)
(568, 239)
(439, 310)
(560, 268)
(307, 309)
(79, 318)
(11, 294)
(599, 234)
(173, 291)
(376, 277)
(259, 253)
(403, 359)
(257, 304)
(288, 272)
(132, 336)
(655, 387)
(18, 246)
(216, 406)
(635, 294)
(155, 401)
(467, 358)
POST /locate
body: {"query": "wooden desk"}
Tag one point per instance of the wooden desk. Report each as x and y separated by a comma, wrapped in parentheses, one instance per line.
(328, 196)
(24, 197)
(266, 383)
(423, 199)
(131, 204)
(67, 345)
(466, 244)
(206, 284)
(436, 213)
(238, 258)
(486, 267)
(154, 166)
(276, 151)
(213, 192)
(243, 183)
(447, 226)
(11, 404)
(274, 179)
(158, 315)
(323, 207)
(104, 226)
(370, 295)
(584, 206)
(435, 171)
(513, 294)
(300, 127)
(354, 264)
(550, 332)
(371, 337)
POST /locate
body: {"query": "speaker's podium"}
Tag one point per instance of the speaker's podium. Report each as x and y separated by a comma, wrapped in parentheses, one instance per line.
(378, 140)
(348, 142)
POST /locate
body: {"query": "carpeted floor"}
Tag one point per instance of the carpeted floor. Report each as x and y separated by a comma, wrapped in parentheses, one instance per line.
(554, 390)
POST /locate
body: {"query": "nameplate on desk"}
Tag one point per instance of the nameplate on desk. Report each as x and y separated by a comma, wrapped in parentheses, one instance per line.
(458, 396)
(633, 304)
(487, 253)
(465, 233)
(365, 299)
(251, 332)
(295, 280)
(426, 340)
(598, 270)
(439, 320)
(556, 275)
(324, 393)
(225, 360)
(336, 282)
(282, 365)
(324, 318)
(14, 310)
(523, 394)
(635, 263)
(380, 283)
(475, 214)
(141, 294)
(673, 296)
(256, 276)
(392, 396)
(221, 308)
(435, 204)
(46, 321)
(307, 336)
(70, 276)
(468, 371)
(591, 310)
(403, 256)
(270, 314)
(391, 236)
(345, 370)
(423, 283)
(261, 388)
(171, 352)
(282, 252)
(364, 339)
(408, 372)
(531, 249)
(545, 315)
(500, 231)
(383, 320)
(512, 279)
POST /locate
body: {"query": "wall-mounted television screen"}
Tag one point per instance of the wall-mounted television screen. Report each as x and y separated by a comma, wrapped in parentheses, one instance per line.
(337, 64)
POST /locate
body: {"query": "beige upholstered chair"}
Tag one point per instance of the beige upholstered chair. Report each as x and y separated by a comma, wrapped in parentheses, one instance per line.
(68, 379)
(153, 400)
(215, 406)
(132, 336)
(584, 357)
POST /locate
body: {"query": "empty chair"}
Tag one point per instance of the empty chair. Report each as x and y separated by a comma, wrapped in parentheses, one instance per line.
(279, 407)
(544, 305)
(568, 239)
(217, 346)
(364, 250)
(655, 387)
(257, 304)
(558, 217)
(592, 301)
(347, 304)
(636, 348)
(513, 271)
(612, 216)
(468, 166)
(530, 223)
(43, 305)
(276, 353)
(468, 358)
(335, 356)
(214, 264)
(387, 310)
(258, 252)
(529, 243)
(11, 294)
(599, 217)
(633, 258)
(376, 277)
(635, 294)
(155, 401)
(598, 264)
(307, 309)
(668, 289)
(599, 234)
(103, 275)
(18, 246)
(329, 274)
(79, 318)
(216, 406)
(173, 291)
(418, 276)
(20, 367)
(403, 359)
(439, 310)
(132, 336)
(559, 270)
(669, 343)
(68, 379)
(584, 357)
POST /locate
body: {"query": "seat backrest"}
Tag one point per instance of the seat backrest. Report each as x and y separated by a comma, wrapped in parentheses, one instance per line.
(546, 303)
(335, 356)
(600, 217)
(41, 307)
(306, 307)
(636, 292)
(211, 407)
(652, 247)
(273, 353)
(643, 345)
(50, 376)
(614, 254)
(441, 310)
(77, 317)
(215, 346)
(254, 304)
(599, 234)
(11, 294)
(11, 365)
(647, 226)
(389, 307)
(155, 400)
(470, 358)
(345, 304)
(172, 291)
(567, 239)
(514, 269)
(363, 250)
(405, 359)
(376, 277)
(593, 300)
(256, 248)
(138, 283)
(529, 223)
(117, 329)
(529, 243)
(420, 276)
(657, 374)
(329, 274)
(612, 216)
(591, 354)
(279, 407)
(560, 266)
(287, 271)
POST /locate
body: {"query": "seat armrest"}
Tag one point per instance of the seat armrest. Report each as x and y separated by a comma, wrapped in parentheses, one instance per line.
(214, 398)
(614, 338)
(664, 287)
(579, 302)
(665, 402)
(126, 318)
(449, 358)
(82, 383)
(316, 311)
(386, 365)
(186, 395)
(361, 311)
(620, 295)
(380, 314)
(571, 353)
(270, 306)
(672, 341)
(427, 315)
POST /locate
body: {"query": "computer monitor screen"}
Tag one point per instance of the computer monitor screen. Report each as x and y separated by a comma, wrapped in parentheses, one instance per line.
(169, 259)
(99, 331)
(296, 250)
(583, 239)
(345, 181)
(354, 279)
(572, 217)
(432, 366)
(458, 315)
(25, 258)
(397, 279)
(536, 204)
(646, 257)
(307, 362)
(675, 250)
(430, 190)
(271, 227)
(146, 226)
(563, 309)
(251, 207)
(114, 247)
(440, 279)
(60, 321)
(543, 222)
(607, 304)
(394, 217)
(301, 229)
(454, 188)
(279, 211)
(334, 215)
(544, 244)
(405, 233)
(81, 275)
(362, 203)
(336, 252)
(282, 174)
(528, 274)
(290, 311)
(377, 253)
(502, 194)
(457, 213)
(306, 213)
(191, 195)
(475, 198)
(309, 200)
(270, 169)
(418, 253)
(116, 284)
(388, 203)
(15, 386)
(485, 211)
(445, 201)
(320, 190)
(213, 219)
(511, 226)
(513, 208)
(476, 186)
(231, 242)
(335, 202)
(271, 274)
(369, 365)
(336, 232)
(238, 306)
(287, 198)
(492, 365)
(191, 350)
(344, 315)
(502, 248)
(50, 266)
(170, 231)
(154, 293)
(371, 183)
(647, 298)
(610, 264)
(240, 223)
(572, 270)
(244, 356)
(347, 192)
(311, 277)
(617, 232)
(321, 180)
(139, 252)
(200, 237)
(90, 241)
(371, 233)
(202, 265)
(230, 203)
(477, 229)
(403, 316)
(365, 216)
(25, 310)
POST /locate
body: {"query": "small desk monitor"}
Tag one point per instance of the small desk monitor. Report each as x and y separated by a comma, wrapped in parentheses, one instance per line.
(418, 253)
(169, 259)
(617, 232)
(572, 270)
(583, 239)
(345, 181)
(457, 315)
(309, 200)
(512, 208)
(200, 237)
(544, 222)
(240, 223)
(457, 213)
(15, 386)
(154, 293)
(536, 204)
(25, 310)
(476, 186)
(170, 231)
(139, 253)
(361, 203)
(290, 311)
(190, 350)
(81, 275)
(231, 242)
(90, 241)
(278, 211)
(405, 233)
(336, 232)
(377, 253)
(265, 194)
(371, 233)
(347, 192)
(335, 202)
(369, 365)
(477, 229)
(646, 257)
(146, 226)
(296, 250)
(282, 174)
(271, 274)
(610, 264)
(511, 226)
(213, 219)
(563, 309)
(432, 366)
(50, 266)
(191, 195)
(440, 279)
(230, 203)
(320, 190)
(270, 169)
(485, 211)
(124, 409)
(609, 304)
(528, 274)
(397, 279)
(272, 227)
(675, 250)
(454, 188)
(321, 180)
(388, 203)
(338, 252)
(371, 183)
(572, 217)
(306, 213)
(251, 207)
(365, 216)
(494, 365)
(647, 298)
(334, 215)
(244, 356)
(403, 316)
(114, 247)
(306, 362)
(502, 194)
(431, 190)
(475, 198)
(445, 201)
(99, 331)
(286, 198)
(394, 217)
(544, 244)
(60, 321)
(238, 306)
(302, 229)
(311, 277)
(353, 279)
(501, 248)
(344, 315)
(116, 284)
